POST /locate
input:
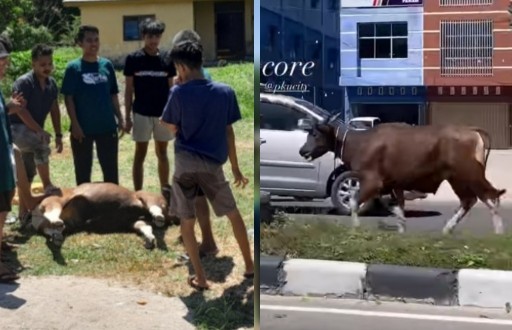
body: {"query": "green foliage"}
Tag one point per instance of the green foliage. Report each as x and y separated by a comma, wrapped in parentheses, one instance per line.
(23, 36)
(335, 242)
(28, 22)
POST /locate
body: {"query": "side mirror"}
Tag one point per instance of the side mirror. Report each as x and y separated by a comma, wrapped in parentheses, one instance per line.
(305, 124)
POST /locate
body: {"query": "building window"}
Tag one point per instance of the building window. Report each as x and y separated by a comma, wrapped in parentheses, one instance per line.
(382, 40)
(131, 27)
(314, 3)
(465, 2)
(466, 48)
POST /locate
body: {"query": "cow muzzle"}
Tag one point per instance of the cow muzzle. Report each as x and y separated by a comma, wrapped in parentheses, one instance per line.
(54, 231)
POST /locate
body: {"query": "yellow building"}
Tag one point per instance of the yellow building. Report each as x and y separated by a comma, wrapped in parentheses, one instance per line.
(226, 27)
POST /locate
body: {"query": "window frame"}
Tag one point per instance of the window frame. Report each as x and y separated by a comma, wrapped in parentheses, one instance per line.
(131, 18)
(390, 38)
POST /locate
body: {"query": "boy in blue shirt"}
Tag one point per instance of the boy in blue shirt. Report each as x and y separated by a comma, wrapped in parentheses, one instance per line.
(90, 89)
(200, 114)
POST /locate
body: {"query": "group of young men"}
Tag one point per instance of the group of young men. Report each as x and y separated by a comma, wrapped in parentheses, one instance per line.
(167, 96)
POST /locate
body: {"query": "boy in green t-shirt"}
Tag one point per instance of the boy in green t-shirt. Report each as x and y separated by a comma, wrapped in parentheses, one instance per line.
(91, 97)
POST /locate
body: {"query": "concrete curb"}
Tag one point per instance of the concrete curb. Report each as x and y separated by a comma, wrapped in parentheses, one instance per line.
(437, 285)
(270, 271)
(446, 287)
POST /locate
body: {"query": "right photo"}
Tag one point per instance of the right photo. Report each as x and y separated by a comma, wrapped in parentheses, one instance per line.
(385, 139)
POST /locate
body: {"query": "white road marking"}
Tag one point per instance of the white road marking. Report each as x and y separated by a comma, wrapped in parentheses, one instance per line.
(425, 317)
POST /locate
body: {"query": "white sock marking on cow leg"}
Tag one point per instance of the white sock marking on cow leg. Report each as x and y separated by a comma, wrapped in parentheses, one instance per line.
(354, 208)
(399, 213)
(452, 222)
(497, 220)
(147, 231)
(158, 215)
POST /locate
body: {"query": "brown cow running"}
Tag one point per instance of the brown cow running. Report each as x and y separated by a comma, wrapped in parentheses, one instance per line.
(100, 208)
(393, 158)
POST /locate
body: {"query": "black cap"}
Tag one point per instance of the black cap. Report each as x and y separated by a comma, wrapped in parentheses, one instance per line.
(5, 47)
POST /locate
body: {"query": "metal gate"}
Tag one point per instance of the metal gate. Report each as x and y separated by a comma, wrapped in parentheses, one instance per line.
(493, 117)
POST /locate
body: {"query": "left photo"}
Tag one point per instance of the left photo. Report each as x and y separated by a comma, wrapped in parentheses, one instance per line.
(127, 164)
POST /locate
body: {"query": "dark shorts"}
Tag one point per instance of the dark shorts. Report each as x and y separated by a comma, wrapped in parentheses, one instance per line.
(196, 176)
(6, 200)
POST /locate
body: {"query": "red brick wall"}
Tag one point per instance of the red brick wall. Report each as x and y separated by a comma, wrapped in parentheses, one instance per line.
(433, 14)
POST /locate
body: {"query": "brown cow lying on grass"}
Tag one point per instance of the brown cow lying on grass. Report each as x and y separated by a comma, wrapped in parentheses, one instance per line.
(100, 208)
(393, 158)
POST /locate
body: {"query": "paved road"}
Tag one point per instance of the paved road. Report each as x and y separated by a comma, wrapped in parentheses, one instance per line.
(423, 215)
(287, 313)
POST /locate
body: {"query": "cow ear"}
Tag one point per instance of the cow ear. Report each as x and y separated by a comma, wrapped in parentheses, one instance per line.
(326, 129)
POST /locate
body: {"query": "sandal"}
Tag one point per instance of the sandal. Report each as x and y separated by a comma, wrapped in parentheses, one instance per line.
(193, 284)
(6, 246)
(249, 275)
(7, 276)
(51, 190)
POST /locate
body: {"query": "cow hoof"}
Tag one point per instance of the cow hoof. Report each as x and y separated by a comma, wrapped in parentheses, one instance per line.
(149, 244)
(159, 221)
(57, 239)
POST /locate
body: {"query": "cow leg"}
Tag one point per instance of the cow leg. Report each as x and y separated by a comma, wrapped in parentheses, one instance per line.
(467, 200)
(489, 195)
(465, 205)
(147, 231)
(158, 215)
(398, 210)
(369, 187)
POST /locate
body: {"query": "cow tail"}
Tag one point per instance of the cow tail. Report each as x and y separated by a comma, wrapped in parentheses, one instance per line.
(485, 136)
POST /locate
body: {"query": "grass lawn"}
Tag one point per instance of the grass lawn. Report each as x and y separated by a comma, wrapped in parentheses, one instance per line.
(334, 242)
(122, 256)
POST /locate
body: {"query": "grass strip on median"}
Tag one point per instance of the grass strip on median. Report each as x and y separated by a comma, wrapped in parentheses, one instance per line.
(336, 242)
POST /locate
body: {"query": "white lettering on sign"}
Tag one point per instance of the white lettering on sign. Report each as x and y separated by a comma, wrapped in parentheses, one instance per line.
(381, 90)
(440, 90)
(452, 90)
(391, 90)
(360, 91)
(486, 90)
(475, 90)
(498, 90)
(463, 90)
(284, 68)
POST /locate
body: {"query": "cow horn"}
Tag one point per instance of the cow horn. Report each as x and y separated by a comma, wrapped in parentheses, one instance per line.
(334, 117)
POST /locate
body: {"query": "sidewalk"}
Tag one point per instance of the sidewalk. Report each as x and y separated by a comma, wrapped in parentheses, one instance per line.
(67, 302)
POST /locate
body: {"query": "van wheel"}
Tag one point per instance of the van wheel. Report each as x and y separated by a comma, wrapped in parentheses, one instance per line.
(340, 194)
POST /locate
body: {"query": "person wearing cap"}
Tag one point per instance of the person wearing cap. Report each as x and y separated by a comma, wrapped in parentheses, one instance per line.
(7, 163)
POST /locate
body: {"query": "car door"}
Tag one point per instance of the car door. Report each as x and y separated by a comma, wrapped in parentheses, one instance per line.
(283, 171)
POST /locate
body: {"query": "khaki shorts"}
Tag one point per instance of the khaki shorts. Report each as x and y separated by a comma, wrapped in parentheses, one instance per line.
(145, 126)
(192, 175)
(29, 142)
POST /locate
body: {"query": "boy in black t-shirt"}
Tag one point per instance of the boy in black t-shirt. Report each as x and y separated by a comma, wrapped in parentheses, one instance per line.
(149, 77)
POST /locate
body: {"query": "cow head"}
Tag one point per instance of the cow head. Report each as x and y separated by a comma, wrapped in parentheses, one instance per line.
(320, 140)
(46, 219)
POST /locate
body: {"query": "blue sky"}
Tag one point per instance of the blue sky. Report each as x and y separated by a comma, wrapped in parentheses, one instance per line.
(257, 31)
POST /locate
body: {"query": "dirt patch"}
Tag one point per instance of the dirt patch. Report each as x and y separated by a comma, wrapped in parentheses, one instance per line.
(67, 302)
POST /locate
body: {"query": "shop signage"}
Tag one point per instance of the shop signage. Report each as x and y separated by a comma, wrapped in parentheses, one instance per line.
(473, 90)
(379, 3)
(388, 91)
